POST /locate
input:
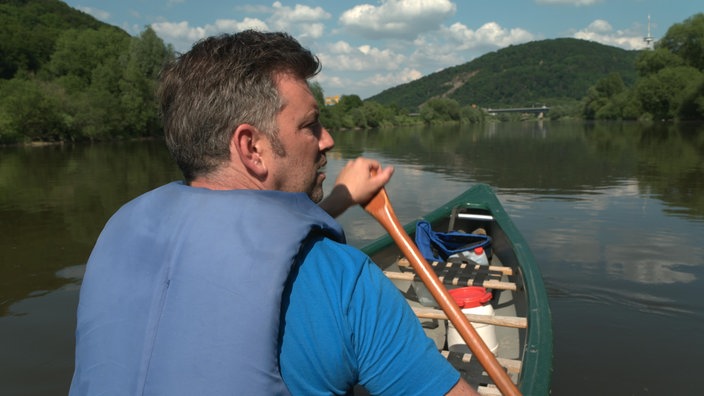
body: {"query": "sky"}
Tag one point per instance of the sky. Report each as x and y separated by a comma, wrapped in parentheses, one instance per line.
(368, 46)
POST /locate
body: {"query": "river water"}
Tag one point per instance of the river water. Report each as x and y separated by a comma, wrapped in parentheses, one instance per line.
(614, 214)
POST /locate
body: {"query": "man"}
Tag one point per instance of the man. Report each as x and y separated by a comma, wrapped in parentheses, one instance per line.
(183, 290)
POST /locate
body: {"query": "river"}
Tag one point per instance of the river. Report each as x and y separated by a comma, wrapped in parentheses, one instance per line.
(614, 214)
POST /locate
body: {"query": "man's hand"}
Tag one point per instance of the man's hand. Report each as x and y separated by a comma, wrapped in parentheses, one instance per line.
(355, 185)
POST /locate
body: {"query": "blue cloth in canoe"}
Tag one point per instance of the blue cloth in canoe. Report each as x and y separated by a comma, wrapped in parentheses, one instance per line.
(438, 246)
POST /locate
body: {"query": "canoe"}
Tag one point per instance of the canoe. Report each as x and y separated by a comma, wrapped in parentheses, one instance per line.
(520, 321)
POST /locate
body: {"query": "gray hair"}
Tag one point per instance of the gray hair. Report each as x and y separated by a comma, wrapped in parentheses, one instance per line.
(222, 82)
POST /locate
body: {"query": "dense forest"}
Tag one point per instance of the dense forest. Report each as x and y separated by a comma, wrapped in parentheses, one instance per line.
(65, 76)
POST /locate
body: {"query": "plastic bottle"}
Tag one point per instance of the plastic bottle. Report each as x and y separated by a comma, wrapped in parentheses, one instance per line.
(473, 300)
(478, 255)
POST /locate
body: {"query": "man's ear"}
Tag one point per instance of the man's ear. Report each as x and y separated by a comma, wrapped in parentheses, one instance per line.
(246, 146)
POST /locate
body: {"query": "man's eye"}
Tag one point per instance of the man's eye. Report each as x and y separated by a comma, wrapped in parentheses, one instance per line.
(316, 128)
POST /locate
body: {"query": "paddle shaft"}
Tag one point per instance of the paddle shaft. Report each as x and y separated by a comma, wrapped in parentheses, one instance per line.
(380, 208)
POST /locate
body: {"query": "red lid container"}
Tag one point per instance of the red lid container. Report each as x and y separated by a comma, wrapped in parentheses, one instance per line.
(471, 296)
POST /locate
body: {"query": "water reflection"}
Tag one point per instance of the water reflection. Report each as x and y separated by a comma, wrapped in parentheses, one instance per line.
(54, 200)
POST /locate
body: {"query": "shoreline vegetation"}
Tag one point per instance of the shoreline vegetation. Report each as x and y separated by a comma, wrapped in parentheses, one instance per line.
(66, 77)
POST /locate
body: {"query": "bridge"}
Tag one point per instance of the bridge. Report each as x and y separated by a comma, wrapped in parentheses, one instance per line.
(534, 110)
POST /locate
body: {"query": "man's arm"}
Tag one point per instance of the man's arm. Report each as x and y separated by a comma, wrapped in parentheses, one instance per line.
(355, 185)
(462, 388)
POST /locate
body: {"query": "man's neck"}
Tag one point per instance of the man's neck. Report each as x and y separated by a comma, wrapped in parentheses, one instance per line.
(227, 179)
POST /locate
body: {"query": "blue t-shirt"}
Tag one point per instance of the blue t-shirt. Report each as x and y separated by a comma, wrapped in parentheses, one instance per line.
(345, 323)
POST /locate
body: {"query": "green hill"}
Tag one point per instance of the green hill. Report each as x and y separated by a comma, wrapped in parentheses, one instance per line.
(65, 76)
(29, 30)
(539, 72)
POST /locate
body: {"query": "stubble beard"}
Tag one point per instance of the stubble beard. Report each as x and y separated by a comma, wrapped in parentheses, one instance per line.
(316, 194)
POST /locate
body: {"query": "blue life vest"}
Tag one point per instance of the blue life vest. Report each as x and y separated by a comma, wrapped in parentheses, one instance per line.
(182, 292)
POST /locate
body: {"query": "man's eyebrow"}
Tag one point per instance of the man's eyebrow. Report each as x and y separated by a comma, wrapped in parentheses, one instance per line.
(313, 114)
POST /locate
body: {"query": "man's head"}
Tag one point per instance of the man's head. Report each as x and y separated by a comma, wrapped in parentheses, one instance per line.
(224, 82)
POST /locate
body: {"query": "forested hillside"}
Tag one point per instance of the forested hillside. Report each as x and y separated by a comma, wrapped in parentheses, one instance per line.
(29, 30)
(66, 76)
(539, 72)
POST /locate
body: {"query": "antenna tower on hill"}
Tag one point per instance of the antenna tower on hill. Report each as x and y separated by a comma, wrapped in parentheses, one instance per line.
(649, 39)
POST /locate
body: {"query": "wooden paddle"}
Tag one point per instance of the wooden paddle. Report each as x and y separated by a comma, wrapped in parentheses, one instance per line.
(380, 208)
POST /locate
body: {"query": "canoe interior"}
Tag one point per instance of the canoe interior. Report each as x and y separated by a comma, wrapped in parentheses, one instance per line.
(525, 349)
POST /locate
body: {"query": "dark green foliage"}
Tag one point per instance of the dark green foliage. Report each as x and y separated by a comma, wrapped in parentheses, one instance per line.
(29, 29)
(440, 110)
(76, 78)
(32, 109)
(651, 62)
(686, 40)
(662, 94)
(670, 81)
(605, 100)
(540, 72)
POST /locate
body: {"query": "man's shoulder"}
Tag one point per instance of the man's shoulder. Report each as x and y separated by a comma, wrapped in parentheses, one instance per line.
(321, 247)
(336, 264)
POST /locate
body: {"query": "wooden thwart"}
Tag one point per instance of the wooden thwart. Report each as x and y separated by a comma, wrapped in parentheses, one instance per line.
(403, 262)
(504, 321)
(489, 283)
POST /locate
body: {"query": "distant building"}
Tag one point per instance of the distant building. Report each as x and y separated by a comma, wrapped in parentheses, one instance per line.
(332, 100)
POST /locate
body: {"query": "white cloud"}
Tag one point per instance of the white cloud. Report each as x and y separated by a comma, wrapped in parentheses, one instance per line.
(231, 25)
(393, 79)
(600, 26)
(577, 3)
(314, 30)
(301, 20)
(458, 43)
(365, 86)
(397, 18)
(341, 56)
(182, 35)
(492, 34)
(602, 32)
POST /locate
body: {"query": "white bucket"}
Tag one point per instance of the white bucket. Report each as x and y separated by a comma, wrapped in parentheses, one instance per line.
(472, 300)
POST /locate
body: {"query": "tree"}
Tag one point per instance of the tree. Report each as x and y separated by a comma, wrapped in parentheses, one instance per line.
(651, 62)
(662, 93)
(29, 29)
(318, 94)
(348, 102)
(692, 107)
(471, 114)
(376, 114)
(606, 100)
(33, 110)
(145, 57)
(670, 84)
(440, 110)
(686, 40)
(80, 52)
